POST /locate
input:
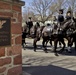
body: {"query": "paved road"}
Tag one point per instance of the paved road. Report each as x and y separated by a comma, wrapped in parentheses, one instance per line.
(40, 63)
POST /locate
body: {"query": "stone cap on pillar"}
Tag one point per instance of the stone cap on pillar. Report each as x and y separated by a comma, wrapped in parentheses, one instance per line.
(19, 2)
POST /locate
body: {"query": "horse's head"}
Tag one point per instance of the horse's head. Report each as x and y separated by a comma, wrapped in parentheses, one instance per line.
(33, 31)
(73, 24)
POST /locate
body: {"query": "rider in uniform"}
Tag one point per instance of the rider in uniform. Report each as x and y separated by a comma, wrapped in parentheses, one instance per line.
(68, 16)
(60, 17)
(60, 20)
(30, 24)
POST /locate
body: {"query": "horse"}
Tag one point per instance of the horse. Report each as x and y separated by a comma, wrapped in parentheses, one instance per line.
(38, 36)
(73, 35)
(58, 36)
(33, 31)
(46, 33)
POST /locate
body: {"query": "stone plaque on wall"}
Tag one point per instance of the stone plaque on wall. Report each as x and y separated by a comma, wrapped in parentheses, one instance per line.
(5, 31)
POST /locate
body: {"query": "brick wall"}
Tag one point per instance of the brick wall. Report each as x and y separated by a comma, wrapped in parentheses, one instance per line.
(11, 57)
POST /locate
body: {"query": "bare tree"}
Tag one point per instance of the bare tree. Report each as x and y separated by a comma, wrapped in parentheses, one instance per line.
(58, 4)
(28, 13)
(41, 7)
(44, 9)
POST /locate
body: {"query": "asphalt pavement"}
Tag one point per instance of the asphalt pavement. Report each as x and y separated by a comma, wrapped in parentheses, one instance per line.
(41, 63)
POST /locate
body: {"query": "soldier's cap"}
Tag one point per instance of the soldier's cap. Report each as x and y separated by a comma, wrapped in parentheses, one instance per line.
(68, 11)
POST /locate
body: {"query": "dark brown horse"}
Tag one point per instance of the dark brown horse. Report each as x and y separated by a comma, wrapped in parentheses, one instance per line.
(73, 35)
(38, 36)
(56, 37)
(34, 32)
(63, 34)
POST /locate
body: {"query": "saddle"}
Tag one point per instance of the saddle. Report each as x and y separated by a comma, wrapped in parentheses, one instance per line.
(47, 31)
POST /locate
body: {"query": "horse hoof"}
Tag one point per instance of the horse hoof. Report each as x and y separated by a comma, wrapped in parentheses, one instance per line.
(34, 50)
(43, 48)
(69, 51)
(56, 54)
(45, 51)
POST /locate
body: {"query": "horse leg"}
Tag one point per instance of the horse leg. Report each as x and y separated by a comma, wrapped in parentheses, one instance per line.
(23, 42)
(70, 43)
(43, 43)
(62, 41)
(55, 47)
(34, 44)
(75, 45)
(46, 42)
(59, 44)
(51, 42)
(74, 39)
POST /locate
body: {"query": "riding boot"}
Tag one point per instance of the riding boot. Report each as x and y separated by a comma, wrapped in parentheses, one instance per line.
(34, 48)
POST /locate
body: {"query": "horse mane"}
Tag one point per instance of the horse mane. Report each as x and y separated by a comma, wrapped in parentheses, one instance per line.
(66, 25)
(74, 19)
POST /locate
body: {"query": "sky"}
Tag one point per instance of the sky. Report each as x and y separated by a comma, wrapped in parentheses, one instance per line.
(27, 2)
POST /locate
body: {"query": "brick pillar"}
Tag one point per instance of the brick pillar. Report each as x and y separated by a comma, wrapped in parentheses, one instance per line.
(11, 56)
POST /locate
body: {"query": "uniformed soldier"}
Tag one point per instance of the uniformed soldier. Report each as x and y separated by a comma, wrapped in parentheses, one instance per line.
(30, 24)
(68, 16)
(60, 17)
